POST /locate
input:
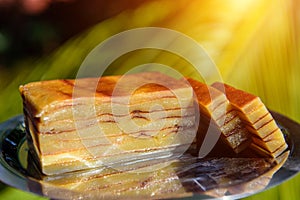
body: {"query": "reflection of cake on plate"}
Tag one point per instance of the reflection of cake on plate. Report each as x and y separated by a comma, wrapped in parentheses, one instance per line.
(107, 183)
(139, 118)
(86, 123)
(216, 177)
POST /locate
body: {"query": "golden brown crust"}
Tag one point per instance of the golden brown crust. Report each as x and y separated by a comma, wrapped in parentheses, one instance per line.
(237, 97)
(39, 95)
(205, 94)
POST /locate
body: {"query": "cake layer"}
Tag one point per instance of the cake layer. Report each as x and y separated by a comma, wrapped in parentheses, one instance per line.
(140, 118)
(95, 156)
(272, 142)
(98, 108)
(107, 134)
(236, 136)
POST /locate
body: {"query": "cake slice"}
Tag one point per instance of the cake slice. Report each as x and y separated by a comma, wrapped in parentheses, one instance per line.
(266, 135)
(217, 114)
(115, 120)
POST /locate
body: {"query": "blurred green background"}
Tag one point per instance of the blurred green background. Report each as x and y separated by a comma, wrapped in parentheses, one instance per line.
(254, 43)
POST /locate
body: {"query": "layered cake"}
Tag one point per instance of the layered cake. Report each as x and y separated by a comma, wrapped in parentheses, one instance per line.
(85, 123)
(116, 121)
(267, 138)
(217, 114)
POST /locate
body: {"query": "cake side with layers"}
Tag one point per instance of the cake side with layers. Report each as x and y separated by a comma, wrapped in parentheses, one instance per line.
(85, 123)
(267, 138)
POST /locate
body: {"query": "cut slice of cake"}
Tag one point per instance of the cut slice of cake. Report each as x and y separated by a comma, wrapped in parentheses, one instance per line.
(85, 123)
(217, 114)
(266, 135)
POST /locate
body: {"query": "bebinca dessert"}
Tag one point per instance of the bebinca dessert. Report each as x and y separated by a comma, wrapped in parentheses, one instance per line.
(117, 121)
(217, 114)
(267, 138)
(85, 123)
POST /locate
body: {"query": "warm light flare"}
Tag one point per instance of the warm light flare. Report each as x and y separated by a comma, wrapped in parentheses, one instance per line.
(254, 43)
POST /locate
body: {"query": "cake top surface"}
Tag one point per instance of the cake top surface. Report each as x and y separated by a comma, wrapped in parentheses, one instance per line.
(237, 97)
(146, 85)
(205, 93)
